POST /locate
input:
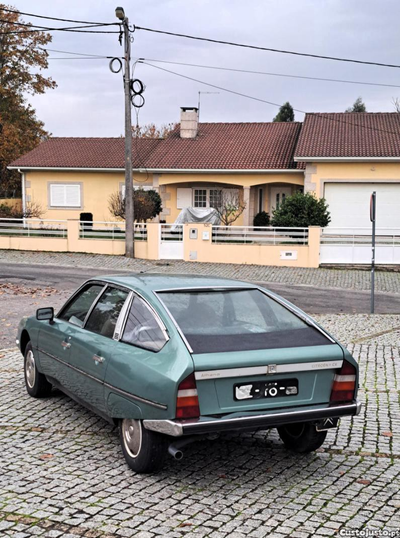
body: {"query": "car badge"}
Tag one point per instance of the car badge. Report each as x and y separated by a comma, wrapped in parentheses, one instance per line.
(271, 369)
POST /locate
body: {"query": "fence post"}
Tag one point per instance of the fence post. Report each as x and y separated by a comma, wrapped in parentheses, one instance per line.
(73, 235)
(153, 240)
(314, 241)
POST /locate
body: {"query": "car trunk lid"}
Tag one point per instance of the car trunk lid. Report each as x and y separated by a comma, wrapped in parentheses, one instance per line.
(265, 379)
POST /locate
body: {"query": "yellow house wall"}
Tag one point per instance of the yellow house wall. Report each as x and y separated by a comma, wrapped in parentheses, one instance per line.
(318, 174)
(96, 190)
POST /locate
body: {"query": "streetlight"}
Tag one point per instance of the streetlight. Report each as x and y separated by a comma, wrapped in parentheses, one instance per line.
(120, 13)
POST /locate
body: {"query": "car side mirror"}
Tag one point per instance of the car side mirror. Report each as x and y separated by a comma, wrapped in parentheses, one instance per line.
(43, 314)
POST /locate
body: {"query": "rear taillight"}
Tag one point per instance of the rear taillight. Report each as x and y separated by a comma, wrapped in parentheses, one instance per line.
(187, 401)
(344, 384)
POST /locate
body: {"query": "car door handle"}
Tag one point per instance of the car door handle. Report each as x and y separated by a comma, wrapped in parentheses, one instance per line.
(65, 345)
(98, 358)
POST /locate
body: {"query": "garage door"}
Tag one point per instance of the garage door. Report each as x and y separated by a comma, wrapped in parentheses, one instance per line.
(349, 205)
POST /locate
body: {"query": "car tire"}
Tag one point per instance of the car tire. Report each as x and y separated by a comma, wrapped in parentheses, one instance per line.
(35, 382)
(301, 437)
(144, 450)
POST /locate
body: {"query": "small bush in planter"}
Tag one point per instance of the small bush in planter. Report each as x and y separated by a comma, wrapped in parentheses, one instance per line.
(261, 219)
(300, 211)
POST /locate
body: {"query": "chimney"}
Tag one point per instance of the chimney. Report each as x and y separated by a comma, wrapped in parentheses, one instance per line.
(189, 122)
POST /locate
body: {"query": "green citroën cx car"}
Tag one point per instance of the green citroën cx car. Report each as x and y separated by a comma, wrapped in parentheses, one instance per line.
(172, 358)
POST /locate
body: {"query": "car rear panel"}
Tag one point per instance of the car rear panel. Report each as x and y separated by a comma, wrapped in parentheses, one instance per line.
(312, 368)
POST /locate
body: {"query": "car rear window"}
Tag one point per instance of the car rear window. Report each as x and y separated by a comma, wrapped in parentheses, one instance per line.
(237, 320)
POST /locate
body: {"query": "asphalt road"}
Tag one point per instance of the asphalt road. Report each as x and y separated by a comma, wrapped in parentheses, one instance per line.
(313, 300)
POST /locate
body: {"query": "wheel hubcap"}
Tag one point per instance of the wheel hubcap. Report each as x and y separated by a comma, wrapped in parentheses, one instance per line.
(30, 369)
(132, 436)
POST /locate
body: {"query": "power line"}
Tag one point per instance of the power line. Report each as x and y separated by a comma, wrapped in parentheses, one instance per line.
(33, 28)
(30, 25)
(220, 68)
(69, 29)
(71, 52)
(49, 18)
(322, 116)
(268, 49)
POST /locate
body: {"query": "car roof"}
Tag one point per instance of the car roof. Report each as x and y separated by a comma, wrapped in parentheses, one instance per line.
(155, 282)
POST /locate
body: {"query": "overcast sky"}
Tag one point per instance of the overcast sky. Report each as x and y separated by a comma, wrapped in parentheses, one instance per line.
(89, 98)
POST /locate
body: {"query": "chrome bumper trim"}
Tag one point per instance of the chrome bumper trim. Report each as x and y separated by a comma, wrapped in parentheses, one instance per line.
(177, 428)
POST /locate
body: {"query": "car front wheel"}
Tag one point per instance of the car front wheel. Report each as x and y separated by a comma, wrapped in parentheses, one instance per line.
(35, 382)
(302, 437)
(144, 450)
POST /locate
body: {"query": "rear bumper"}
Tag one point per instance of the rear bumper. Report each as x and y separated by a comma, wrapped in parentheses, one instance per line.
(177, 428)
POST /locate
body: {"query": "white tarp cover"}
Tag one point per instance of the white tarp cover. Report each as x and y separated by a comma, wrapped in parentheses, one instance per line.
(197, 214)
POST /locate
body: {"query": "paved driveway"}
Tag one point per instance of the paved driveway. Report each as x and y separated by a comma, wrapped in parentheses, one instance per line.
(62, 472)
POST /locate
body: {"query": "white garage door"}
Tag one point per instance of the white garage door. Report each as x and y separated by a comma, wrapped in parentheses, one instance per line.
(349, 205)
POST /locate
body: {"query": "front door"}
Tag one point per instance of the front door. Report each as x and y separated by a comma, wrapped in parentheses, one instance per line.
(92, 347)
(278, 194)
(56, 339)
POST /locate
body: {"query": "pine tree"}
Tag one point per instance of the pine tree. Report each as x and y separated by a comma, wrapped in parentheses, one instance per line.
(285, 113)
(358, 106)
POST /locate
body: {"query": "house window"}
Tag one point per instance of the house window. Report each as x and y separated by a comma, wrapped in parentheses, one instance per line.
(215, 197)
(65, 195)
(135, 188)
(207, 197)
(200, 198)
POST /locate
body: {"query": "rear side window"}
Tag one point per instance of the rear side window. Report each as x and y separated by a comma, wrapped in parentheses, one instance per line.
(75, 312)
(142, 328)
(104, 316)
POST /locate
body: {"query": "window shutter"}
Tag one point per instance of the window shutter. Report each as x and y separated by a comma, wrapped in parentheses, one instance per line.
(57, 198)
(183, 198)
(65, 195)
(73, 195)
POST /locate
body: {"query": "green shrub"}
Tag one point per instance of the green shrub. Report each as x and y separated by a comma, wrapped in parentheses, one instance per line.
(300, 211)
(261, 219)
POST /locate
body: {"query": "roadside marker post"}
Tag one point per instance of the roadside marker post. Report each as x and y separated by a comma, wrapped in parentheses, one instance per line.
(372, 216)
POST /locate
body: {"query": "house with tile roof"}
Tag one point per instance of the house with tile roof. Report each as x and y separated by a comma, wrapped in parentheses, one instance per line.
(189, 168)
(342, 157)
(347, 156)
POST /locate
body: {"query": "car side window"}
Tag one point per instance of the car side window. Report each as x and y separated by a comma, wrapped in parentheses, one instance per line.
(75, 312)
(104, 316)
(142, 328)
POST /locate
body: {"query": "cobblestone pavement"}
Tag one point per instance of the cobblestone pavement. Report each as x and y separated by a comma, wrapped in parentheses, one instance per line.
(376, 329)
(323, 278)
(63, 474)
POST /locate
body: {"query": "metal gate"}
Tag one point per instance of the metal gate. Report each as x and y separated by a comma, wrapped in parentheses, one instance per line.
(171, 242)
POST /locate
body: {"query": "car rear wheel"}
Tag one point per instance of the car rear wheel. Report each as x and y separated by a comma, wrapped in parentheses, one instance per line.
(301, 437)
(35, 382)
(143, 449)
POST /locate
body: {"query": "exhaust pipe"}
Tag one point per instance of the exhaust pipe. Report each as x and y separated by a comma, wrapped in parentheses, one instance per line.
(175, 449)
(175, 452)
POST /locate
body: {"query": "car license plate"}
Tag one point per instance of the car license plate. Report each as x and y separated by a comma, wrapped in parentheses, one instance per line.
(266, 389)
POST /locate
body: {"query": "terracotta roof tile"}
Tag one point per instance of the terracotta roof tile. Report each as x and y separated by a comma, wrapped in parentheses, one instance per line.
(230, 146)
(86, 153)
(358, 134)
(227, 146)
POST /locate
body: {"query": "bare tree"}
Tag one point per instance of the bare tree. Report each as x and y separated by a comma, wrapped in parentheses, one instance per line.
(230, 206)
(151, 130)
(396, 104)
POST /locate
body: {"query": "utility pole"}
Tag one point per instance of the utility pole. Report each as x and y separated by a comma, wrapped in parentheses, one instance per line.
(129, 211)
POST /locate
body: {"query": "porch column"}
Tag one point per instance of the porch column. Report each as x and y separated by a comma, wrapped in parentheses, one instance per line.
(246, 212)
